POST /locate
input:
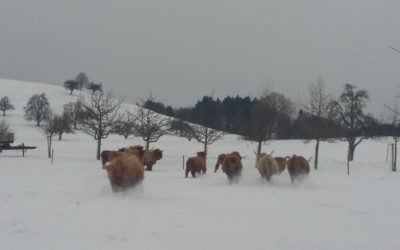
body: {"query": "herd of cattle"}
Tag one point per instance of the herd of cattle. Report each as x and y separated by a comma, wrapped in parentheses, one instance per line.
(125, 167)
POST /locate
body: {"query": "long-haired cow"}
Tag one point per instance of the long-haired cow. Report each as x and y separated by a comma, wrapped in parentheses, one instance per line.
(150, 157)
(298, 167)
(196, 164)
(231, 165)
(125, 171)
(267, 166)
(108, 155)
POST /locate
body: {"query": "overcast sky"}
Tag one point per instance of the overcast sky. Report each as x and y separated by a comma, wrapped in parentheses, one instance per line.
(184, 49)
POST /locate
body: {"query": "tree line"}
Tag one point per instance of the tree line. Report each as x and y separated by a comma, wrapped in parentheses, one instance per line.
(269, 116)
(272, 116)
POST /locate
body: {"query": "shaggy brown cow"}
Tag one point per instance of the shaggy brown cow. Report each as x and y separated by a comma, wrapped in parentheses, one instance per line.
(150, 157)
(298, 167)
(136, 150)
(282, 161)
(108, 155)
(221, 158)
(125, 171)
(267, 166)
(196, 164)
(231, 165)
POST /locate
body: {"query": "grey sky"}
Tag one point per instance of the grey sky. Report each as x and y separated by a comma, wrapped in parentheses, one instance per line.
(184, 49)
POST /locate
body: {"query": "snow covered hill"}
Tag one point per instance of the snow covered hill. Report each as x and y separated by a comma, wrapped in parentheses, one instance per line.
(69, 204)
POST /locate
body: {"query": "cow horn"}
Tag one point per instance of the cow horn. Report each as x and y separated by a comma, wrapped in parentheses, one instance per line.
(309, 159)
(272, 152)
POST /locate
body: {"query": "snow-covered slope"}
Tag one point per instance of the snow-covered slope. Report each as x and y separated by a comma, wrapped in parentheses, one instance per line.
(69, 204)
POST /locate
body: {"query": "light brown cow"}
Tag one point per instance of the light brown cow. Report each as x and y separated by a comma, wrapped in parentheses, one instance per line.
(108, 155)
(136, 150)
(196, 164)
(267, 166)
(150, 157)
(125, 171)
(298, 167)
(282, 162)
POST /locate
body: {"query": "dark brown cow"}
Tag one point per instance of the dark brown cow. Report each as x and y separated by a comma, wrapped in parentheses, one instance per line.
(231, 165)
(221, 158)
(125, 171)
(196, 164)
(298, 167)
(267, 166)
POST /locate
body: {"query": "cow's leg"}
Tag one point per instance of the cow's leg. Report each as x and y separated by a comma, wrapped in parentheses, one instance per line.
(187, 172)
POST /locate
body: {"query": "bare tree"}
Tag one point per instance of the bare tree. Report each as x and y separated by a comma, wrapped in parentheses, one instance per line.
(395, 125)
(264, 116)
(352, 118)
(395, 121)
(124, 125)
(61, 125)
(73, 112)
(320, 108)
(149, 125)
(48, 129)
(37, 108)
(206, 135)
(5, 105)
(182, 128)
(99, 115)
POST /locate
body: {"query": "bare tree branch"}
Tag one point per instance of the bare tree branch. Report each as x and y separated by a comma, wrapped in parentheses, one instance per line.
(98, 117)
(148, 124)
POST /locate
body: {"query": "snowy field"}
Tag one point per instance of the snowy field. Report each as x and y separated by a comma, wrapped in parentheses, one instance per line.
(69, 204)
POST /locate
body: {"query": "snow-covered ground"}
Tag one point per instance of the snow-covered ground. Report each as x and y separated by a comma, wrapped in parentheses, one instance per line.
(69, 204)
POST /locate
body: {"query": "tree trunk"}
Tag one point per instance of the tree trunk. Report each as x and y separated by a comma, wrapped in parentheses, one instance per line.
(259, 145)
(394, 168)
(38, 123)
(49, 141)
(98, 148)
(205, 145)
(60, 136)
(205, 151)
(316, 154)
(147, 145)
(4, 112)
(350, 152)
(350, 155)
